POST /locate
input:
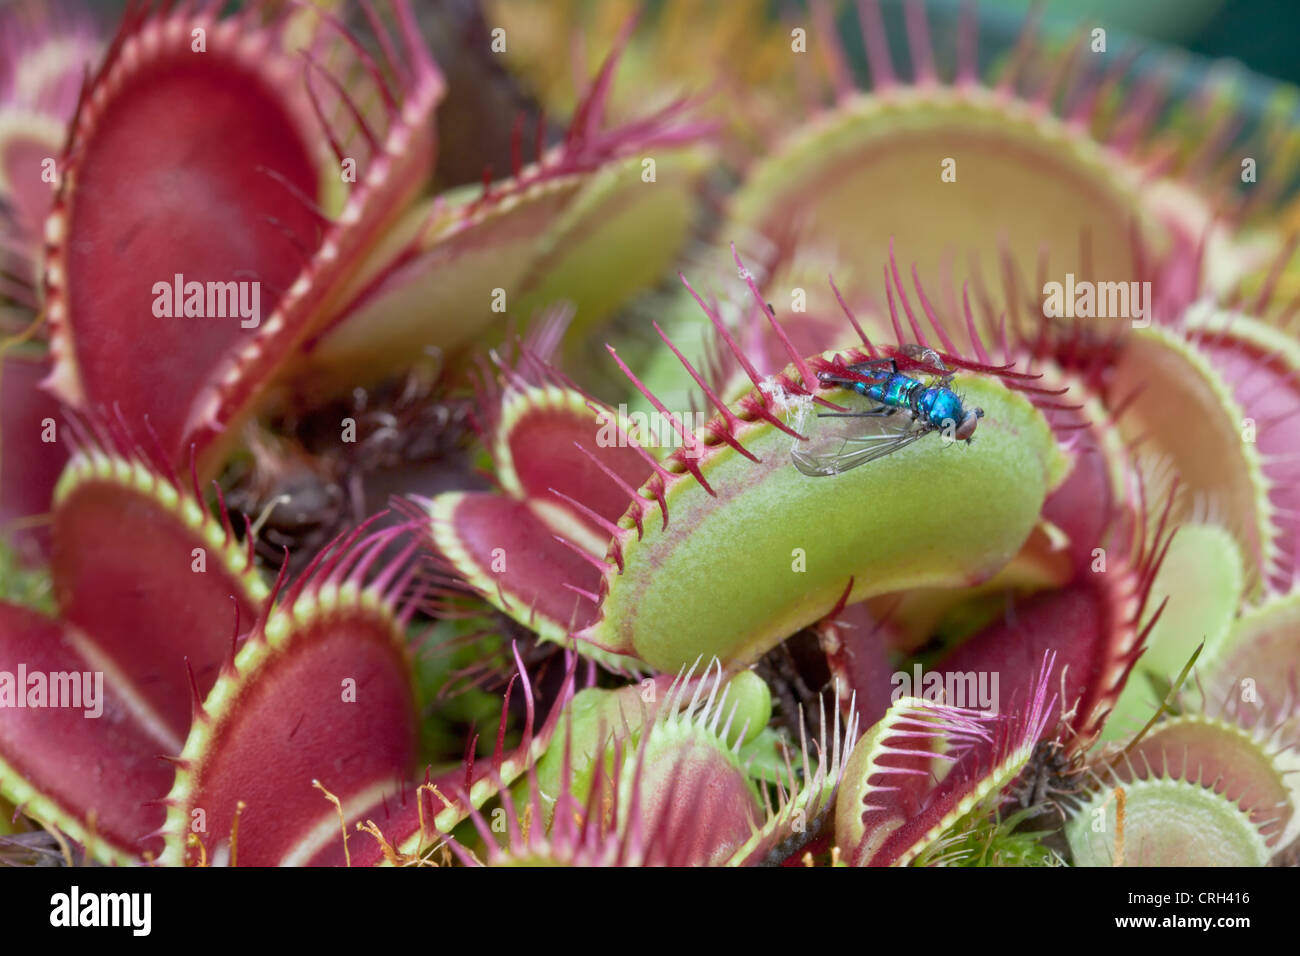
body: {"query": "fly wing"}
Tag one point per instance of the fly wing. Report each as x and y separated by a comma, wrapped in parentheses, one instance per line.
(836, 445)
(851, 453)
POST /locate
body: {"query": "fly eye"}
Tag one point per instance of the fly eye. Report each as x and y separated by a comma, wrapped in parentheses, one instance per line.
(968, 423)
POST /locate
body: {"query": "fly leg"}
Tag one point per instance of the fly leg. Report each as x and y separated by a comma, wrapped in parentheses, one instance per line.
(874, 369)
(872, 365)
(923, 354)
(929, 358)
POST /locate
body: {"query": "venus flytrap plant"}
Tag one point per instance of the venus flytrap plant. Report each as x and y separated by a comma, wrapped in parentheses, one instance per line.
(680, 48)
(1202, 575)
(925, 150)
(326, 151)
(1261, 368)
(990, 839)
(562, 489)
(1131, 443)
(43, 52)
(319, 691)
(1250, 676)
(1075, 513)
(1072, 523)
(1217, 593)
(122, 525)
(1095, 627)
(1212, 464)
(274, 132)
(1138, 193)
(1209, 755)
(42, 58)
(226, 720)
(1164, 823)
(31, 455)
(1079, 588)
(1195, 791)
(1128, 496)
(733, 488)
(1233, 551)
(1223, 760)
(592, 220)
(922, 768)
(749, 449)
(415, 830)
(596, 717)
(1253, 772)
(664, 785)
(684, 770)
(773, 592)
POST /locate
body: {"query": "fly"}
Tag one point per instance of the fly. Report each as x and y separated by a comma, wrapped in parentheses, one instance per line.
(902, 410)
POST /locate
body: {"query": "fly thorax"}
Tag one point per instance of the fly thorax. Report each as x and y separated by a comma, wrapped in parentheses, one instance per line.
(941, 405)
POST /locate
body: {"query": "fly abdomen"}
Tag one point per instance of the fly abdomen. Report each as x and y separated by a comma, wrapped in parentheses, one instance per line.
(896, 391)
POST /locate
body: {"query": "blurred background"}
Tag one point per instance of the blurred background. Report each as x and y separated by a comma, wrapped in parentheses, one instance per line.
(1259, 33)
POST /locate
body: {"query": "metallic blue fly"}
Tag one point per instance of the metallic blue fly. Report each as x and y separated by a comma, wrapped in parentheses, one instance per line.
(902, 410)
